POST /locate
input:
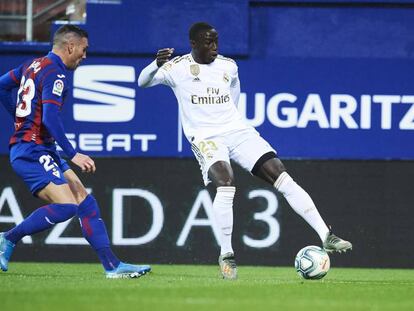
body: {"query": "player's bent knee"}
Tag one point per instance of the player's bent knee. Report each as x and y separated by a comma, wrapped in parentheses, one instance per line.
(89, 208)
(225, 182)
(221, 174)
(80, 194)
(76, 186)
(267, 161)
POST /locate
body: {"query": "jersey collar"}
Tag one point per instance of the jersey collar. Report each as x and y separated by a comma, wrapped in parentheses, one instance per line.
(54, 57)
(193, 60)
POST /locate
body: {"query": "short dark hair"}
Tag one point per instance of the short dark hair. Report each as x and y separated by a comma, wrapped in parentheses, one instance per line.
(198, 28)
(60, 35)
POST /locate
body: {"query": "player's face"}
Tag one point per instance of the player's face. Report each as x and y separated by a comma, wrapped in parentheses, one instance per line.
(77, 53)
(206, 46)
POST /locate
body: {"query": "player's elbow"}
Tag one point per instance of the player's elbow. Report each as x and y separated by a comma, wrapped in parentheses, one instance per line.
(4, 88)
(142, 82)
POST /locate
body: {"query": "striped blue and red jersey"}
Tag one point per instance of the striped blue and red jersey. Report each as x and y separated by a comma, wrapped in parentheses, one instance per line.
(42, 81)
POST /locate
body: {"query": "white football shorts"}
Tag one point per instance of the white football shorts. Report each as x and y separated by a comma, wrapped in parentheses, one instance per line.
(245, 147)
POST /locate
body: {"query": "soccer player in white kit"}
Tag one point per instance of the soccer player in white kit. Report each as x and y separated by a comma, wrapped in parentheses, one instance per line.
(207, 88)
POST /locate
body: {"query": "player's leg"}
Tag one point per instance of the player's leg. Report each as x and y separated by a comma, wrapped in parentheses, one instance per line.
(61, 207)
(215, 166)
(273, 171)
(257, 156)
(92, 225)
(43, 176)
(94, 230)
(221, 174)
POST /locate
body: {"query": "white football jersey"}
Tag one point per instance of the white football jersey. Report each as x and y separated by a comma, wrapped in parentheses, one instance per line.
(207, 94)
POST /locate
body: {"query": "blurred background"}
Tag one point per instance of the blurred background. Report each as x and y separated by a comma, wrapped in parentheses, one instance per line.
(327, 83)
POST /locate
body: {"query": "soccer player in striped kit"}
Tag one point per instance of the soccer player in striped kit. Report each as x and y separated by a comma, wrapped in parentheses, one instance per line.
(207, 88)
(42, 88)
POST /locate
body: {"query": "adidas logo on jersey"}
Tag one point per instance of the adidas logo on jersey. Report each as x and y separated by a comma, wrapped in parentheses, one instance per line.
(195, 71)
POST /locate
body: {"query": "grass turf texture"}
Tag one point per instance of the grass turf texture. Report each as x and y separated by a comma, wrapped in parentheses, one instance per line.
(75, 287)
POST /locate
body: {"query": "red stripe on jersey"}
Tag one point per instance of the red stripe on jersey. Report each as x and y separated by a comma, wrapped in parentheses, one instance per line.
(12, 140)
(27, 135)
(38, 121)
(38, 131)
(51, 101)
(46, 62)
(44, 77)
(13, 77)
(33, 132)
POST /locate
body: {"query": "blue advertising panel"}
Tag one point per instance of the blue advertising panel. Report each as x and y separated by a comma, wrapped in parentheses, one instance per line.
(147, 25)
(306, 108)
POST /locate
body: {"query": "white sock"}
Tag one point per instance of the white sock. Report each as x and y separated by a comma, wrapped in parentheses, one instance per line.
(301, 203)
(223, 212)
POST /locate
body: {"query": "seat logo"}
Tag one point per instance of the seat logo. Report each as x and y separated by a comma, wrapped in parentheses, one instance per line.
(98, 100)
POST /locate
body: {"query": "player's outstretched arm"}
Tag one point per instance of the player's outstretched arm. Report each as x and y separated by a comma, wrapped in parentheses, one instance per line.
(150, 75)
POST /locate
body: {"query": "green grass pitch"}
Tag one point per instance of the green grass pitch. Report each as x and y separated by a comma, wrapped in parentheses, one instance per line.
(75, 287)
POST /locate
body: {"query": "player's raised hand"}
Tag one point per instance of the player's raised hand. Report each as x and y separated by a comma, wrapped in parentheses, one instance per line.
(163, 56)
(84, 162)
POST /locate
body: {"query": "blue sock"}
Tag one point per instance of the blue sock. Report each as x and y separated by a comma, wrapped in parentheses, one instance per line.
(94, 231)
(41, 219)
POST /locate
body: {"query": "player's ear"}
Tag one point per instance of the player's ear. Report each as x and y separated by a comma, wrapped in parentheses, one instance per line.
(70, 47)
(192, 43)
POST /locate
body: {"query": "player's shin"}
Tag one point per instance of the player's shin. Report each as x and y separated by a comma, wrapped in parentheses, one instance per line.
(94, 231)
(41, 219)
(223, 213)
(301, 203)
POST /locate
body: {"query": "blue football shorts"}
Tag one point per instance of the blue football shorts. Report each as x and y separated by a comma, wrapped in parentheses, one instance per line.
(38, 165)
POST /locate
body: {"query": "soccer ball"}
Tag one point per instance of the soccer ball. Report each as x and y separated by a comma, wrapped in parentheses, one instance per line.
(312, 262)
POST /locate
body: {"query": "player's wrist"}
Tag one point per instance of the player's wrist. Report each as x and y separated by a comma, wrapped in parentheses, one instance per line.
(155, 65)
(71, 154)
